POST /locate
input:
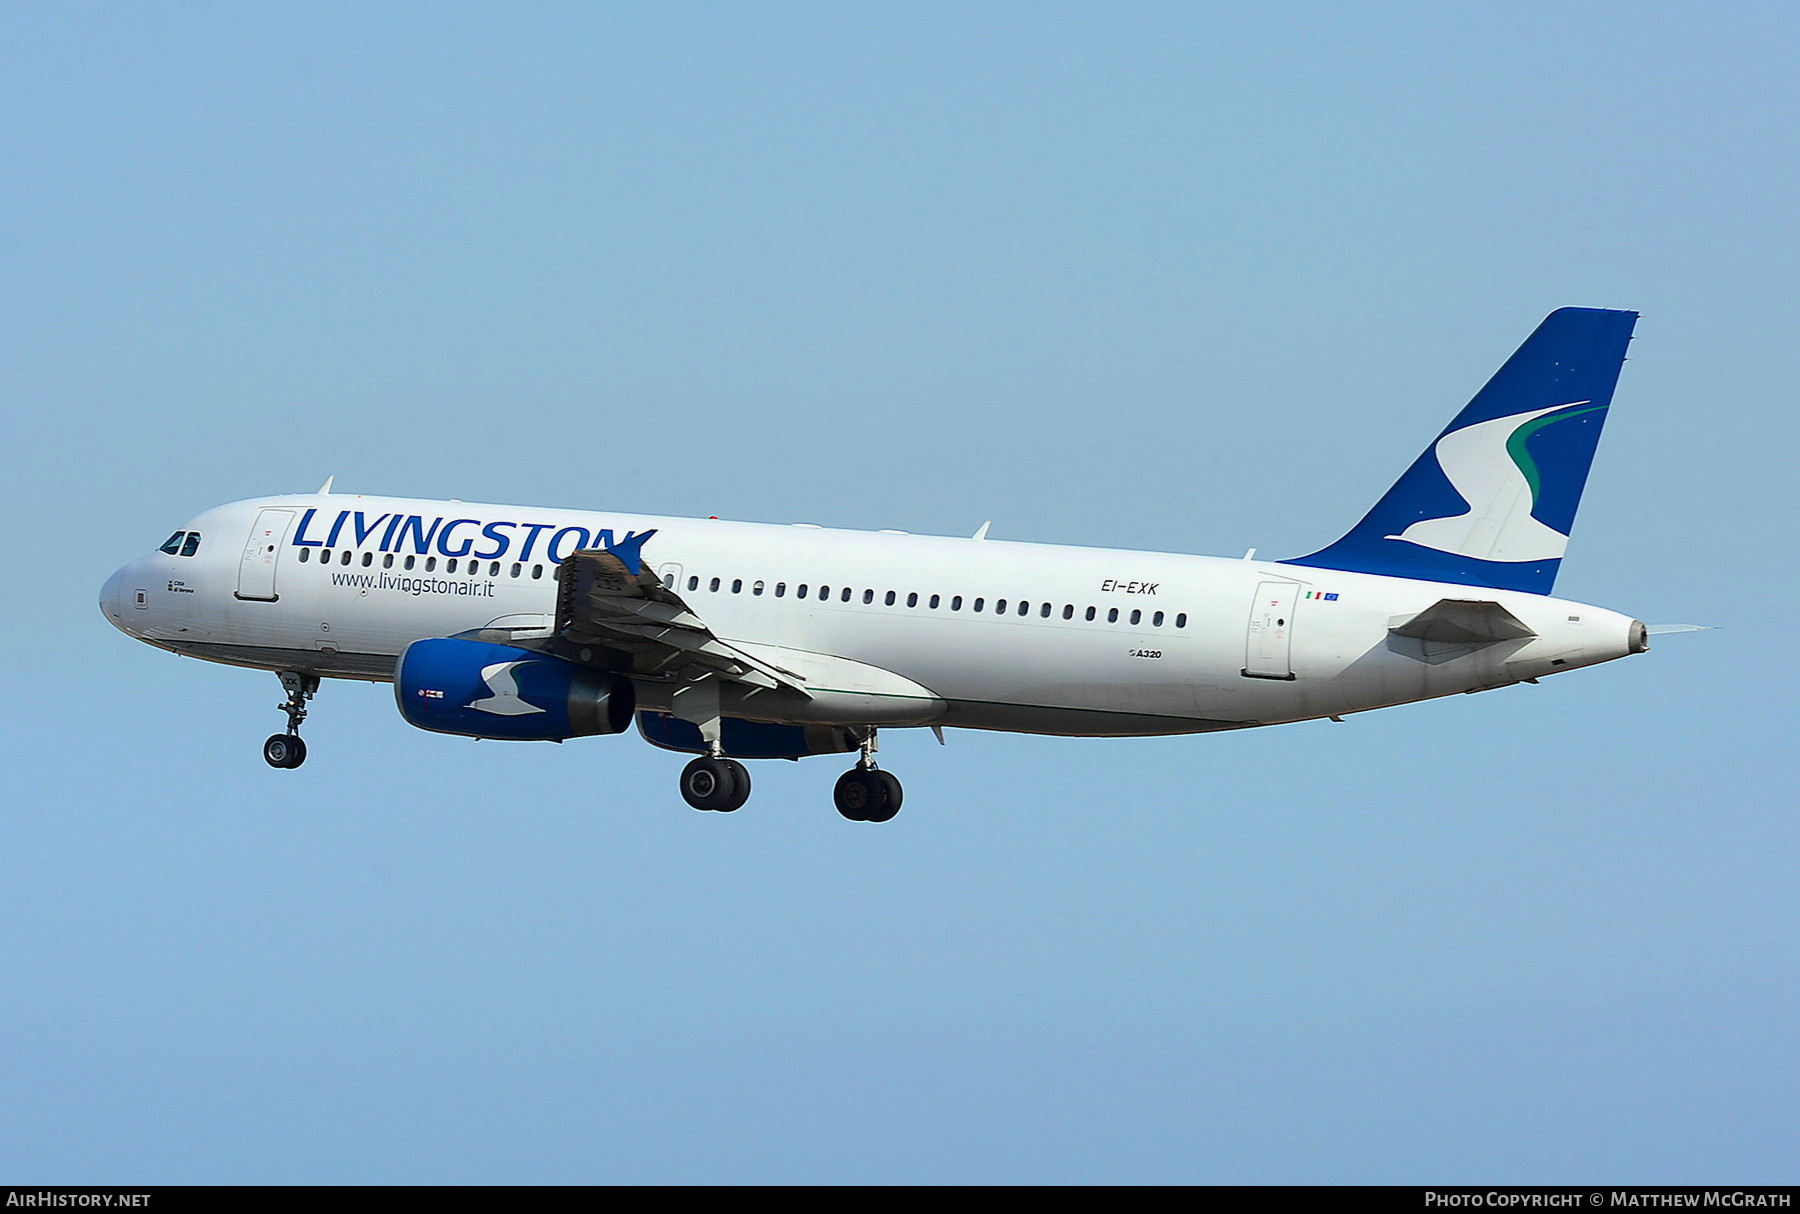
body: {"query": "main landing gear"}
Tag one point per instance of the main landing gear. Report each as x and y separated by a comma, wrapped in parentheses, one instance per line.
(863, 794)
(286, 749)
(715, 782)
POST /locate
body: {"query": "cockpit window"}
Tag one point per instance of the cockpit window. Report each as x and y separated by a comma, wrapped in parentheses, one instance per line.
(182, 543)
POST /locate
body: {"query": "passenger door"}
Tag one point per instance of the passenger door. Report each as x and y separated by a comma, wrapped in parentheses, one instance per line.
(262, 551)
(1269, 643)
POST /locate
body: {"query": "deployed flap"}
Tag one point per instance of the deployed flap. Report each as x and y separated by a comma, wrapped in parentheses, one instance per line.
(603, 602)
(1464, 622)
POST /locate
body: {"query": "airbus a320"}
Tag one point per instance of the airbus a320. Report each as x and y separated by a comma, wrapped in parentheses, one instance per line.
(732, 641)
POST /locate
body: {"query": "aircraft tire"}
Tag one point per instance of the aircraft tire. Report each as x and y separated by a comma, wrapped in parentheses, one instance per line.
(284, 750)
(852, 795)
(709, 783)
(887, 804)
(740, 778)
(867, 796)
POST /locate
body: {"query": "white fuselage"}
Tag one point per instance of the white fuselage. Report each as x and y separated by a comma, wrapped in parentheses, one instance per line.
(909, 630)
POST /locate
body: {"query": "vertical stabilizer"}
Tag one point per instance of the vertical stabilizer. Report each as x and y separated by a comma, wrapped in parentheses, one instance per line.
(1492, 501)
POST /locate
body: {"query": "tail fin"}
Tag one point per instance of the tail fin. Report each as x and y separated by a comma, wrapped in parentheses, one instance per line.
(1492, 501)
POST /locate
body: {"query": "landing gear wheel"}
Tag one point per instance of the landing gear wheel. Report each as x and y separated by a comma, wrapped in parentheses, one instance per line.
(284, 750)
(866, 795)
(709, 783)
(889, 799)
(740, 777)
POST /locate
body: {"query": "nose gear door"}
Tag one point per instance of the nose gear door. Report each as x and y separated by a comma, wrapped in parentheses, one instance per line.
(262, 551)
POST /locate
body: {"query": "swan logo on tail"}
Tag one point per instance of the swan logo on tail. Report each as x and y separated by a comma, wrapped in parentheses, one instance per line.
(1492, 500)
(1492, 471)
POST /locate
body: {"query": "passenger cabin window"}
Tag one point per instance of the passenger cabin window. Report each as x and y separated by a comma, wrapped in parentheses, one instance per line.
(345, 559)
(757, 588)
(450, 565)
(890, 598)
(694, 583)
(715, 585)
(304, 554)
(868, 596)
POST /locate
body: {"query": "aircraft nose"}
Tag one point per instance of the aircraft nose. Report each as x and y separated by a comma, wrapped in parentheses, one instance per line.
(112, 598)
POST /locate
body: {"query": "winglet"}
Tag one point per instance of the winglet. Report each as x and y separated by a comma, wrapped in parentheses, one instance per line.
(325, 490)
(981, 533)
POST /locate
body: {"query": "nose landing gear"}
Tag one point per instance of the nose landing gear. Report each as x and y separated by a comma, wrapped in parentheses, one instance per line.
(286, 749)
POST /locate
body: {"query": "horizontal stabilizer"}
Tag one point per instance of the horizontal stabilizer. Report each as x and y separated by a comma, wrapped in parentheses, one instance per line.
(1464, 622)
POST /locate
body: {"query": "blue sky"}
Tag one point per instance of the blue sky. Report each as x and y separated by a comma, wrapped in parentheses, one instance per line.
(1176, 277)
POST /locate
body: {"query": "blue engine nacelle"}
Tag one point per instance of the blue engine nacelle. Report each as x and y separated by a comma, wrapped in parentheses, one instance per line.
(482, 690)
(748, 739)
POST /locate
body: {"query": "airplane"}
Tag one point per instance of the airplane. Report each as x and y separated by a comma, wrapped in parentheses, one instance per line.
(733, 641)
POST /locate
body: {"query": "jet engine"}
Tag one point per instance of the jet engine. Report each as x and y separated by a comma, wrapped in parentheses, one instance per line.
(484, 690)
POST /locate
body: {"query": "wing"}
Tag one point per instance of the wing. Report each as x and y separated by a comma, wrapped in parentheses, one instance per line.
(644, 628)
